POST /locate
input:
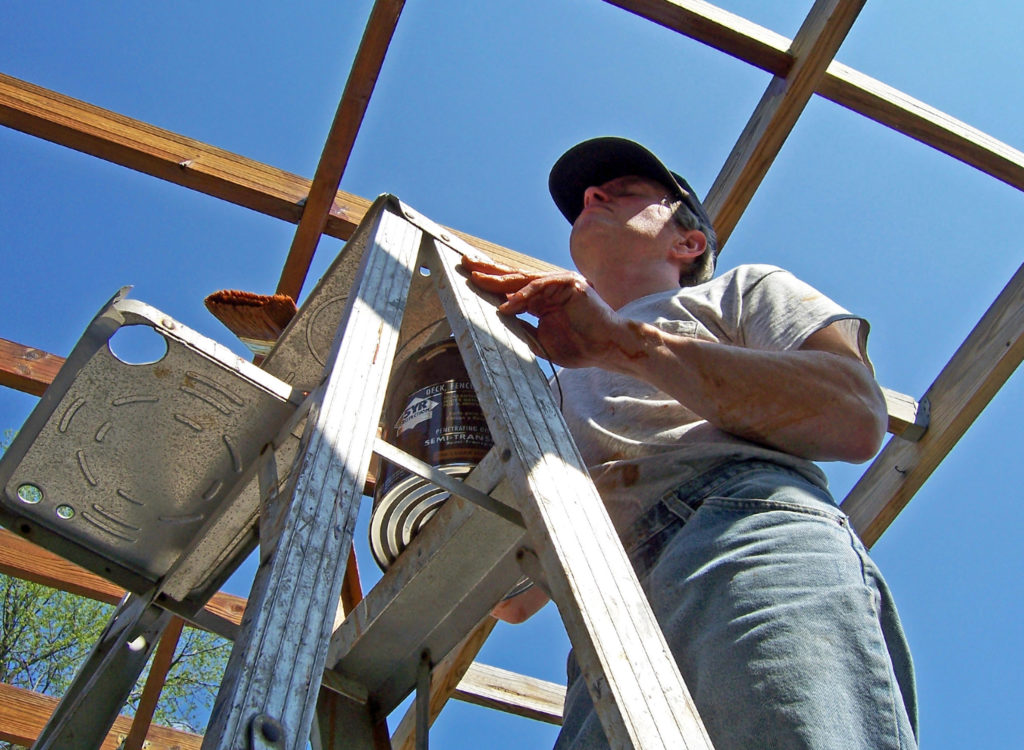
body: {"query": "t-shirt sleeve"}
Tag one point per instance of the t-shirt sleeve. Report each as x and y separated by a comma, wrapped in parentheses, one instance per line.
(779, 312)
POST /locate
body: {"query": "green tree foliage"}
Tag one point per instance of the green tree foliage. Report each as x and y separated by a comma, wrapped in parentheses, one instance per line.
(46, 634)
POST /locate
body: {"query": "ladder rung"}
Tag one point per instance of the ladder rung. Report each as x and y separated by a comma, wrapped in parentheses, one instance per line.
(450, 577)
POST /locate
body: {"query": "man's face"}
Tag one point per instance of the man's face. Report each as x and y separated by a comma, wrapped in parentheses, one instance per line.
(628, 219)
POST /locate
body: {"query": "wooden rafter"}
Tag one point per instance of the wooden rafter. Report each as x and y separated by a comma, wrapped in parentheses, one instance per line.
(24, 713)
(905, 417)
(22, 559)
(497, 688)
(775, 115)
(717, 28)
(342, 136)
(27, 369)
(444, 682)
(183, 161)
(986, 359)
(274, 192)
(841, 84)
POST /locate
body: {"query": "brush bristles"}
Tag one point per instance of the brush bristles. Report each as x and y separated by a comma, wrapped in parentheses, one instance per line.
(252, 317)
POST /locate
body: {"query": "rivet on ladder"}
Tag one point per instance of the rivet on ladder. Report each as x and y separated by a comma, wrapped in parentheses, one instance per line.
(266, 733)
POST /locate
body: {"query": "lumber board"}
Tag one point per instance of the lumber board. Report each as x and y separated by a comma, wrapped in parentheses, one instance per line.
(340, 138)
(512, 693)
(23, 714)
(27, 369)
(964, 387)
(908, 418)
(841, 84)
(905, 114)
(717, 28)
(187, 162)
(161, 153)
(22, 559)
(75, 124)
(781, 105)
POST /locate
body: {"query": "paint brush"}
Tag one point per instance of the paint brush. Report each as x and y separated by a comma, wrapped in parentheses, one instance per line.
(257, 319)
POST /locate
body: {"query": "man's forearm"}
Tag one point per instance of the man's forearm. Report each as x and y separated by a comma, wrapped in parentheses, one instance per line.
(814, 402)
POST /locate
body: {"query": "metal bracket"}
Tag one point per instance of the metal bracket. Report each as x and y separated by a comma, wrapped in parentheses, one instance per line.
(922, 418)
(456, 487)
(423, 702)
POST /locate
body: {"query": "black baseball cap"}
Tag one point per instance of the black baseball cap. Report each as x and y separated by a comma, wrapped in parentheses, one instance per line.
(599, 160)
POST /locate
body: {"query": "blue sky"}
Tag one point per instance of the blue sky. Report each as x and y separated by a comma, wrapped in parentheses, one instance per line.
(475, 101)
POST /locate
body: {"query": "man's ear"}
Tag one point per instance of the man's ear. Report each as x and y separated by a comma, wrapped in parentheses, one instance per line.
(689, 245)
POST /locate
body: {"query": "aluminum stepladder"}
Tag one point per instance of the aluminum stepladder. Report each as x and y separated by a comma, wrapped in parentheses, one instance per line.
(434, 594)
(301, 488)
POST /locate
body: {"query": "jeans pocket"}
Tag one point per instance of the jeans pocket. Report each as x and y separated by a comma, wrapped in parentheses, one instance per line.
(780, 500)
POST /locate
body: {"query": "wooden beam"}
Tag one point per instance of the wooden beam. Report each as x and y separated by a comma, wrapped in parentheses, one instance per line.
(22, 559)
(930, 126)
(814, 46)
(843, 85)
(163, 154)
(986, 359)
(342, 136)
(513, 693)
(719, 29)
(23, 714)
(190, 163)
(26, 369)
(221, 174)
(907, 418)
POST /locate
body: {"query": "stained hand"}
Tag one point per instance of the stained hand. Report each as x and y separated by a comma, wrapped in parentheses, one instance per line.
(575, 327)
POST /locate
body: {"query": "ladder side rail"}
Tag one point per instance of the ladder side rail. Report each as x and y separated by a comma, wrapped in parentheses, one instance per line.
(638, 692)
(103, 683)
(273, 675)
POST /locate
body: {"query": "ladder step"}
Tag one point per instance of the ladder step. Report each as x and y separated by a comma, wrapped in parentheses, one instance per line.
(450, 577)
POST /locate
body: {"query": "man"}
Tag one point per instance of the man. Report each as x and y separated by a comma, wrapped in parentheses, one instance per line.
(699, 405)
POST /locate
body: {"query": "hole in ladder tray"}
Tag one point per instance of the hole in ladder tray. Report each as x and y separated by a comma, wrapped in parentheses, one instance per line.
(137, 345)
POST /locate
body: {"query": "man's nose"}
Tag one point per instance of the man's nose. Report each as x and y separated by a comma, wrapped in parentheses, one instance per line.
(594, 194)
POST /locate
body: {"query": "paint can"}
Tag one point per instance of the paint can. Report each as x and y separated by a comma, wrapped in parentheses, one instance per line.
(433, 414)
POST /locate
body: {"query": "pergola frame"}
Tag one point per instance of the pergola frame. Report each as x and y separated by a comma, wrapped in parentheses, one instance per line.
(925, 430)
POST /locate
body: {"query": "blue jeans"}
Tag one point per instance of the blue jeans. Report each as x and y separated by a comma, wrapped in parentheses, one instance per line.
(784, 630)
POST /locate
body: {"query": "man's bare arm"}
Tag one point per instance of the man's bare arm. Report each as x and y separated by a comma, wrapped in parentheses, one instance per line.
(819, 402)
(522, 607)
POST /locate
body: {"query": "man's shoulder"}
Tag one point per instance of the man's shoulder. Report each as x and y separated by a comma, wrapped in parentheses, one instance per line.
(739, 279)
(747, 273)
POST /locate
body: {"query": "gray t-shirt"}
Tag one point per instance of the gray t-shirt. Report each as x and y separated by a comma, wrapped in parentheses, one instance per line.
(638, 441)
